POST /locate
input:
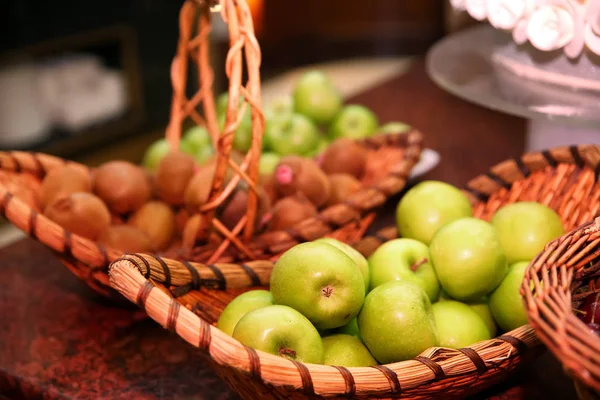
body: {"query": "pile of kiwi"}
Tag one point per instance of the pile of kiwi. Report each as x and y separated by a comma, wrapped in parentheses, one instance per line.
(124, 207)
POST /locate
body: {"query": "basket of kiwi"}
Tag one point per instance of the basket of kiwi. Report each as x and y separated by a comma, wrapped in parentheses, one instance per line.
(226, 202)
(428, 308)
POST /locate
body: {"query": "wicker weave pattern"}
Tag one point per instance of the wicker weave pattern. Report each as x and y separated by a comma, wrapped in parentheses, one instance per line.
(564, 178)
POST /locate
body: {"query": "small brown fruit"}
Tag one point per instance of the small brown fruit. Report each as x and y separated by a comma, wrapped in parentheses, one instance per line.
(198, 190)
(344, 156)
(289, 211)
(81, 213)
(302, 175)
(237, 206)
(342, 186)
(181, 218)
(62, 181)
(191, 230)
(157, 220)
(172, 177)
(123, 186)
(126, 238)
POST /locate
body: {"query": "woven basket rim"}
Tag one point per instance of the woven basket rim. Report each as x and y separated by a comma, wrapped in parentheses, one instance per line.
(547, 290)
(126, 276)
(98, 256)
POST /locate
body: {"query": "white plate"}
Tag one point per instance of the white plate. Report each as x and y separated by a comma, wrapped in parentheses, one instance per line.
(429, 160)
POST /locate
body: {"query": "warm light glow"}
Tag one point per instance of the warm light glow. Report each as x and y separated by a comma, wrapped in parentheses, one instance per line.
(257, 8)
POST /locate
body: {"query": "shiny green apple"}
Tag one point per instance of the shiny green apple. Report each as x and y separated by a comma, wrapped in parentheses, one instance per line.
(396, 322)
(351, 328)
(293, 135)
(359, 259)
(395, 127)
(346, 351)
(354, 122)
(404, 260)
(315, 96)
(482, 308)
(267, 163)
(506, 303)
(524, 228)
(468, 258)
(321, 282)
(197, 138)
(282, 331)
(458, 325)
(242, 305)
(427, 206)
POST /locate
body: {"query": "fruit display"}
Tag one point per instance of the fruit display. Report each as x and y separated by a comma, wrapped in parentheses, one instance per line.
(452, 289)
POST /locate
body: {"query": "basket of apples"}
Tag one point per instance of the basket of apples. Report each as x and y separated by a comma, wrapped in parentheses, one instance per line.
(217, 196)
(428, 308)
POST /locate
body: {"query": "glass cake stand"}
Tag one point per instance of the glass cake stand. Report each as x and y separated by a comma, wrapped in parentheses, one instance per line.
(462, 64)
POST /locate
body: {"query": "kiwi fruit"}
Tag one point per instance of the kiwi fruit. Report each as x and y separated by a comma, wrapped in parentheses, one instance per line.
(344, 156)
(81, 213)
(237, 205)
(198, 190)
(190, 232)
(172, 177)
(157, 220)
(289, 211)
(181, 218)
(295, 174)
(342, 186)
(126, 238)
(123, 186)
(62, 181)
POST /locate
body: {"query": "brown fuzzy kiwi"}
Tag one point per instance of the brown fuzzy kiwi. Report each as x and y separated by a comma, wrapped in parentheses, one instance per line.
(126, 238)
(81, 213)
(342, 186)
(62, 181)
(198, 190)
(172, 177)
(268, 185)
(123, 186)
(237, 205)
(181, 218)
(191, 230)
(116, 219)
(157, 220)
(289, 211)
(295, 174)
(344, 156)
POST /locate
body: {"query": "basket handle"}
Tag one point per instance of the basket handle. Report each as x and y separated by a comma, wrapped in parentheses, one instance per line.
(243, 47)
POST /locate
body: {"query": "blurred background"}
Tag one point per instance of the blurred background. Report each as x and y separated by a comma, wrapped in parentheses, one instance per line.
(89, 81)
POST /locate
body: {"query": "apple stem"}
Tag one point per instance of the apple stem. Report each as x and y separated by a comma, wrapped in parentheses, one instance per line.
(287, 353)
(284, 174)
(327, 291)
(416, 265)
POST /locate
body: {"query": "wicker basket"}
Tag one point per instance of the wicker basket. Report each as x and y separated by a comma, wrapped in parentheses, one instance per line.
(555, 284)
(390, 159)
(188, 298)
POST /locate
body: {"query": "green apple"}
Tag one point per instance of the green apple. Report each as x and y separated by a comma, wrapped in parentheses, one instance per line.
(482, 308)
(506, 303)
(315, 96)
(197, 138)
(428, 206)
(444, 296)
(468, 258)
(267, 163)
(351, 328)
(242, 138)
(524, 228)
(404, 260)
(359, 259)
(294, 135)
(242, 305)
(346, 351)
(204, 154)
(282, 331)
(396, 322)
(280, 107)
(395, 127)
(458, 325)
(221, 103)
(321, 282)
(354, 122)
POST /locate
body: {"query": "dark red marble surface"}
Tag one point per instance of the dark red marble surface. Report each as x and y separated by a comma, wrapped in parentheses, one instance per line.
(59, 340)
